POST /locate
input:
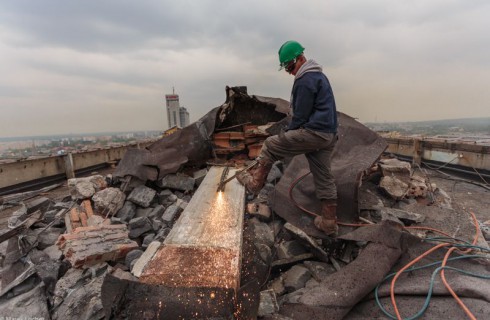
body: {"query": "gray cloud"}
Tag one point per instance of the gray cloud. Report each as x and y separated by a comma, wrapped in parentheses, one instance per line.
(82, 66)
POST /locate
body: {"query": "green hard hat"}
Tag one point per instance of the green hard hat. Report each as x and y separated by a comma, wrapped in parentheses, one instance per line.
(289, 51)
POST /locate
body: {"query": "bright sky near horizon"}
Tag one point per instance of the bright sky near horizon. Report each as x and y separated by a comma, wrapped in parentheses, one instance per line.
(106, 65)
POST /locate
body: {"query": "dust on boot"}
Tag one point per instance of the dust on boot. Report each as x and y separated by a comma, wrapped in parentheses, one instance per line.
(327, 221)
(254, 179)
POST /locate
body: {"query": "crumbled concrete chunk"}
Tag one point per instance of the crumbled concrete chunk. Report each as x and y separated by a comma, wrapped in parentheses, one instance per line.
(394, 187)
(170, 214)
(84, 188)
(127, 212)
(296, 278)
(268, 303)
(108, 201)
(142, 196)
(199, 176)
(178, 182)
(138, 226)
(132, 255)
(289, 249)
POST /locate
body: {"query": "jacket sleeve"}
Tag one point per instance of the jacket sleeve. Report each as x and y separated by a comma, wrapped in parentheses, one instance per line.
(303, 102)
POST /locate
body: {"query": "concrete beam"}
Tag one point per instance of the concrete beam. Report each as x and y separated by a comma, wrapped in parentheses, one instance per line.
(203, 250)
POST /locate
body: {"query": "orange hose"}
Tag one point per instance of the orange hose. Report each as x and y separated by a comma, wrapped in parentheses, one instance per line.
(443, 276)
(392, 287)
(455, 296)
(429, 229)
(420, 257)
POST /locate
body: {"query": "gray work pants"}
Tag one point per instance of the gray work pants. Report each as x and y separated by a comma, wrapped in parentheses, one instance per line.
(316, 146)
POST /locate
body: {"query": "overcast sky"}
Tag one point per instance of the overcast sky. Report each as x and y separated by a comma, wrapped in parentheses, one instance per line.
(94, 66)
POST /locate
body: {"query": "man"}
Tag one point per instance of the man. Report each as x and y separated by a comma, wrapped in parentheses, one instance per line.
(312, 132)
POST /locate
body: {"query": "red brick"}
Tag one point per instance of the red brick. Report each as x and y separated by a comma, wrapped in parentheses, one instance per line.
(87, 207)
(74, 215)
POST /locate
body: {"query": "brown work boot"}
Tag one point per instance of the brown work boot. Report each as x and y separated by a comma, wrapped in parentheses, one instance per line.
(327, 221)
(254, 179)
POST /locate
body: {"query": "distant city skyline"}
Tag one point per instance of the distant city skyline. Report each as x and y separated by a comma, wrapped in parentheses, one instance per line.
(79, 135)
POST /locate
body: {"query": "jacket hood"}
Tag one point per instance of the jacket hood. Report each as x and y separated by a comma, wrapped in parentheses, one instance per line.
(309, 66)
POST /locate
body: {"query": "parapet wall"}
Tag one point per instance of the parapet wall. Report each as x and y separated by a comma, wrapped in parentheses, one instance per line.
(14, 176)
(464, 156)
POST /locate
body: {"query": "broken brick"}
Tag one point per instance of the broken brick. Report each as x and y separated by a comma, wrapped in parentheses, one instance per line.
(87, 246)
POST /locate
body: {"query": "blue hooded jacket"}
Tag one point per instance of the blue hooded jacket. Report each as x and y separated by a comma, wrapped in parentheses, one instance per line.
(312, 100)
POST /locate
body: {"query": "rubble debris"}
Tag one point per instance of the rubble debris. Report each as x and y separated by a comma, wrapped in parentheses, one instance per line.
(127, 212)
(46, 237)
(21, 227)
(80, 297)
(131, 256)
(108, 201)
(296, 278)
(65, 205)
(180, 182)
(394, 187)
(81, 217)
(86, 246)
(442, 199)
(15, 275)
(407, 217)
(171, 214)
(66, 283)
(289, 249)
(319, 270)
(199, 176)
(417, 187)
(39, 204)
(162, 234)
(402, 170)
(14, 199)
(259, 210)
(262, 231)
(53, 252)
(268, 303)
(157, 212)
(138, 226)
(84, 188)
(329, 301)
(47, 269)
(288, 262)
(166, 198)
(148, 239)
(142, 196)
(30, 305)
(307, 241)
(265, 252)
(228, 142)
(143, 260)
(277, 285)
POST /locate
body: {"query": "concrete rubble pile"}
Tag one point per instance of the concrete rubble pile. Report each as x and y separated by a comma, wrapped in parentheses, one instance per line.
(57, 265)
(73, 258)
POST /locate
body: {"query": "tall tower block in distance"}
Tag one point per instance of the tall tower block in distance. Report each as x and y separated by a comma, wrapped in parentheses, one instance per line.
(177, 116)
(173, 107)
(184, 117)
